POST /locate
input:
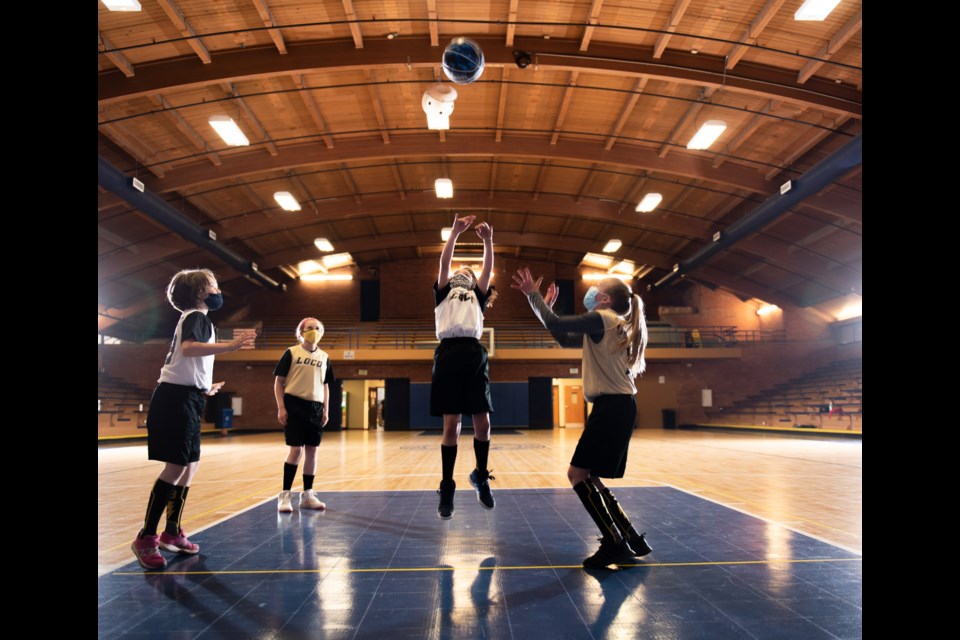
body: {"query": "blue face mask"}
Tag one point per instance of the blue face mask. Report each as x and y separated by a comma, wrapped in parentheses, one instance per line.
(214, 301)
(590, 299)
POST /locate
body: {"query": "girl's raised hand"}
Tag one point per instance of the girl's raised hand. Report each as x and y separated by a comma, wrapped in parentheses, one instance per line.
(523, 280)
(485, 231)
(462, 224)
(553, 292)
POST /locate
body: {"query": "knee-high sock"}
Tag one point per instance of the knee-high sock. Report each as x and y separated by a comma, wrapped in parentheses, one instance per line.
(448, 458)
(289, 473)
(159, 497)
(307, 482)
(178, 499)
(617, 513)
(593, 502)
(482, 451)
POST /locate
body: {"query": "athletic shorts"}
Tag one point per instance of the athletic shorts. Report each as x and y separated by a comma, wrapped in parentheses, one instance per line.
(606, 436)
(461, 378)
(173, 423)
(304, 421)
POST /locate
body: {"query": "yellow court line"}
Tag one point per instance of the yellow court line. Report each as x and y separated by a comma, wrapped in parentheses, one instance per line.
(498, 568)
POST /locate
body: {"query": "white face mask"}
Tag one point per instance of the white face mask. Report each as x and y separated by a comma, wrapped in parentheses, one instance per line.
(460, 281)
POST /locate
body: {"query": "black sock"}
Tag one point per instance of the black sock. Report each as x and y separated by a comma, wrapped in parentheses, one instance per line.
(175, 509)
(307, 482)
(448, 458)
(593, 503)
(289, 473)
(617, 513)
(159, 497)
(482, 450)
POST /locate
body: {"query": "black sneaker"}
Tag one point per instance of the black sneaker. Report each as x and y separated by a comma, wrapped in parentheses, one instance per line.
(638, 543)
(446, 491)
(609, 553)
(481, 482)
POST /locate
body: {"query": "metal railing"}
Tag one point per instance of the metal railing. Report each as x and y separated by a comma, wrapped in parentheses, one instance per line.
(421, 336)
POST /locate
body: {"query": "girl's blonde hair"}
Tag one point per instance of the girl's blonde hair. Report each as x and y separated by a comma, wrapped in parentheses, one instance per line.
(629, 305)
(300, 328)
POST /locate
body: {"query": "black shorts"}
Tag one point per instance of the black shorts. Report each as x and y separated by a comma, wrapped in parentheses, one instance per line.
(173, 423)
(461, 378)
(304, 421)
(606, 436)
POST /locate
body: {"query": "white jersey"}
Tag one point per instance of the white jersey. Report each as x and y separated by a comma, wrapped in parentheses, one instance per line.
(194, 371)
(606, 364)
(304, 372)
(459, 311)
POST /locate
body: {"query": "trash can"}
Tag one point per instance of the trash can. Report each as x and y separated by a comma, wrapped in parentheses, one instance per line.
(226, 419)
(669, 418)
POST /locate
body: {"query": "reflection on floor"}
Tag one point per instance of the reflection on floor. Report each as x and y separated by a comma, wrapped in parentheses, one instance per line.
(382, 565)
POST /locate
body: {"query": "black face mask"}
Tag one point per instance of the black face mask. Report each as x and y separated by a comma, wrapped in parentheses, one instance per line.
(214, 301)
(460, 280)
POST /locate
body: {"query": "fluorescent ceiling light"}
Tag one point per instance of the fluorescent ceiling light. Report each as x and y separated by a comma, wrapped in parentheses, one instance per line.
(443, 187)
(445, 233)
(310, 266)
(228, 130)
(767, 309)
(597, 260)
(649, 202)
(612, 246)
(707, 135)
(597, 277)
(854, 310)
(327, 277)
(815, 9)
(323, 244)
(286, 201)
(626, 267)
(122, 5)
(336, 260)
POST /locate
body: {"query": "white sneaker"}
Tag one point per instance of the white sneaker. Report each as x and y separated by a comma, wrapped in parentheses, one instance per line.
(310, 501)
(285, 502)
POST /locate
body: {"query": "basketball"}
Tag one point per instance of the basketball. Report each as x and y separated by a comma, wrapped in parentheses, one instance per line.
(463, 60)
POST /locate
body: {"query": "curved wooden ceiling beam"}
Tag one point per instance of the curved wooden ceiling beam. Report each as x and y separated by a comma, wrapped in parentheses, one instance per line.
(264, 62)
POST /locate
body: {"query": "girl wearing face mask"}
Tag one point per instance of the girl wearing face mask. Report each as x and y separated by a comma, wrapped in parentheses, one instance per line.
(461, 375)
(176, 411)
(613, 335)
(301, 388)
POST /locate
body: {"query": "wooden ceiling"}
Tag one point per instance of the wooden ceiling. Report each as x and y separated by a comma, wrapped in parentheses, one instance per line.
(555, 155)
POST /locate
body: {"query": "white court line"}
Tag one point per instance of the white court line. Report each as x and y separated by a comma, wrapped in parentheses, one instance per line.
(768, 520)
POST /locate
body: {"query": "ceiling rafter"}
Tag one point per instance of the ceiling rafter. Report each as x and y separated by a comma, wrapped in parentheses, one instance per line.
(804, 143)
(511, 21)
(117, 58)
(626, 111)
(826, 52)
(552, 55)
(564, 105)
(183, 26)
(267, 17)
(593, 19)
(354, 25)
(197, 140)
(311, 104)
(751, 33)
(434, 25)
(679, 8)
(692, 111)
(377, 106)
(251, 118)
(745, 132)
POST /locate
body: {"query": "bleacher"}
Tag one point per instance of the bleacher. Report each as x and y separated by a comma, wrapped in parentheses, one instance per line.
(122, 408)
(828, 398)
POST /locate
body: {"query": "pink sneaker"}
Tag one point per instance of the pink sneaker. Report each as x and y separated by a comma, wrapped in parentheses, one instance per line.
(178, 543)
(145, 548)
